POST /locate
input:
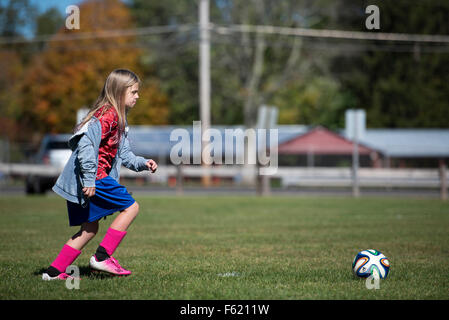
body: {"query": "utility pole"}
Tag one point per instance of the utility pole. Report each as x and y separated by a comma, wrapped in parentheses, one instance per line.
(204, 75)
(443, 179)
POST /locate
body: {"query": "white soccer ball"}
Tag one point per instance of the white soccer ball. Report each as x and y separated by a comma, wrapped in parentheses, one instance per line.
(371, 263)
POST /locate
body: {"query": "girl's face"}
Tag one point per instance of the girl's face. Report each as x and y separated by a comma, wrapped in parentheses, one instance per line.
(131, 95)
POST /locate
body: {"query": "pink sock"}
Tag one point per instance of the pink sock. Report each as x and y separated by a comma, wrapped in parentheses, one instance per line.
(112, 239)
(65, 258)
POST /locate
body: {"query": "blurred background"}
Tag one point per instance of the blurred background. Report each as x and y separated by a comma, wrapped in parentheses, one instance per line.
(357, 109)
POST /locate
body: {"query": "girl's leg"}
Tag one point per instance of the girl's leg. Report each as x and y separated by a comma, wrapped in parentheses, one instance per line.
(125, 218)
(81, 238)
(71, 250)
(116, 232)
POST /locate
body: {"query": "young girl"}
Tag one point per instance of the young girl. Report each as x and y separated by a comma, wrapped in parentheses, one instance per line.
(89, 181)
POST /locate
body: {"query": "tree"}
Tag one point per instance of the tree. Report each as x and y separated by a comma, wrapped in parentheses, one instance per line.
(248, 69)
(69, 75)
(313, 101)
(401, 85)
(262, 66)
(12, 69)
(49, 22)
(15, 18)
(172, 57)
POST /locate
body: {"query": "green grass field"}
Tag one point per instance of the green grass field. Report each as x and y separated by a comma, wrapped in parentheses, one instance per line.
(236, 248)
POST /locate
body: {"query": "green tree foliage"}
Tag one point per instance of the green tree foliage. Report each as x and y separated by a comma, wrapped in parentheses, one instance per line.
(280, 70)
(172, 57)
(314, 101)
(399, 84)
(15, 16)
(49, 22)
(247, 70)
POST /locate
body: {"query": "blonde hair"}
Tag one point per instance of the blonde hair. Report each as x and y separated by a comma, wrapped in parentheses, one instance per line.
(113, 95)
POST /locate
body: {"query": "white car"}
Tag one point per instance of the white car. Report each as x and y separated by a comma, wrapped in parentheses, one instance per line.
(54, 151)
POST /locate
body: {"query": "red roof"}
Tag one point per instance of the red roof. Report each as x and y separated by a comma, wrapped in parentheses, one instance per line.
(321, 141)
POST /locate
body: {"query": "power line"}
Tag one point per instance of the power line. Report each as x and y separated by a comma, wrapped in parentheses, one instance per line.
(175, 44)
(343, 46)
(101, 34)
(230, 29)
(335, 34)
(220, 39)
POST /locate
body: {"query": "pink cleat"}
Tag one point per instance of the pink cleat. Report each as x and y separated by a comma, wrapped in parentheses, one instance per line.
(110, 265)
(61, 276)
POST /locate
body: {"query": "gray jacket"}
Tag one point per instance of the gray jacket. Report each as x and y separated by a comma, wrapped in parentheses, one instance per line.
(81, 169)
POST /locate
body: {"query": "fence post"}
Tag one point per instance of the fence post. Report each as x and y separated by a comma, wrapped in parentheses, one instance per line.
(263, 184)
(179, 180)
(443, 180)
(355, 159)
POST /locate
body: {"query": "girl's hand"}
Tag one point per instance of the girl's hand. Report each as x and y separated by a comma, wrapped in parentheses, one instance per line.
(152, 165)
(89, 191)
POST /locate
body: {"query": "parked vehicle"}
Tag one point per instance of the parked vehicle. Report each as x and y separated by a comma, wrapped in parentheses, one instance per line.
(54, 151)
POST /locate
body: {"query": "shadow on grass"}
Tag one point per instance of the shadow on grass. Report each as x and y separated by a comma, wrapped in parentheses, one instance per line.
(85, 272)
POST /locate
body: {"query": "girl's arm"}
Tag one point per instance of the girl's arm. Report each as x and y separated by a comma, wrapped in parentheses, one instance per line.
(130, 160)
(87, 161)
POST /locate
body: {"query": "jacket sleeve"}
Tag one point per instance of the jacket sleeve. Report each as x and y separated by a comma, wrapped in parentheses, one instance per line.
(130, 160)
(87, 162)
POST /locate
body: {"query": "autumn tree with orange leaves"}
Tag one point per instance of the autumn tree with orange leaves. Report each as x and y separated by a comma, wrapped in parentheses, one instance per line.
(69, 74)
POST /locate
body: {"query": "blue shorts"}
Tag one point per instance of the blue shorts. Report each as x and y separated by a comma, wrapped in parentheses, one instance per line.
(110, 197)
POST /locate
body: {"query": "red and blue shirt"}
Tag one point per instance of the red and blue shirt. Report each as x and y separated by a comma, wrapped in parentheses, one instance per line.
(109, 140)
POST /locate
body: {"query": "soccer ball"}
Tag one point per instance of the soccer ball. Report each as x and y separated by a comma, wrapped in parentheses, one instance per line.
(371, 263)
